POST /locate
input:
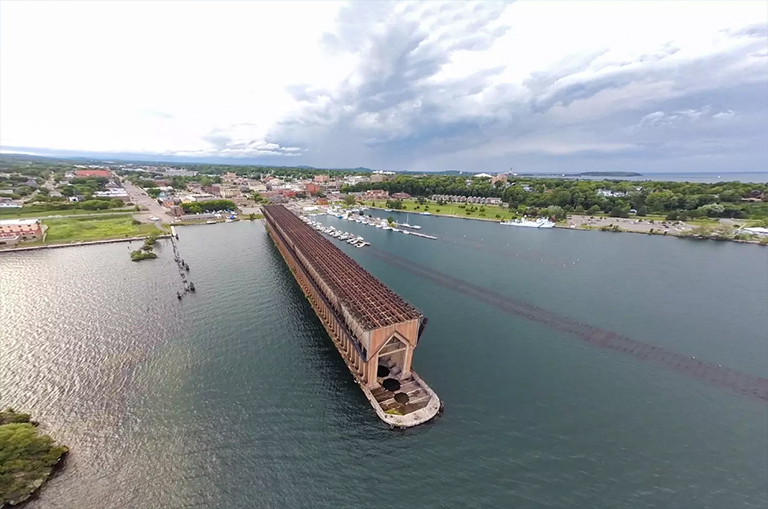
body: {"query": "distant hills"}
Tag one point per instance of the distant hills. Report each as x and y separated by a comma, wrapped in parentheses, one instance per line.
(127, 159)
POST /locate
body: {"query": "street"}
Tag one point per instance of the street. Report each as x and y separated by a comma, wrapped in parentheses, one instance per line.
(153, 209)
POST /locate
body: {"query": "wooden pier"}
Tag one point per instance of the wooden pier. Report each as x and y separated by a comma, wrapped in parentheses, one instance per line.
(373, 328)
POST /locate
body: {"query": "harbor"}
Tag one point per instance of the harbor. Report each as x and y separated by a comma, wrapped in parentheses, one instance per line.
(357, 216)
(373, 328)
(247, 349)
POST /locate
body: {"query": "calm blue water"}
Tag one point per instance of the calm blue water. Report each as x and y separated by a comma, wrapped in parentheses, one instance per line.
(701, 178)
(235, 396)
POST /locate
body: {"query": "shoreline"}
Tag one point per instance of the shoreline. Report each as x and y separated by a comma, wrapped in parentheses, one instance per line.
(75, 244)
(581, 228)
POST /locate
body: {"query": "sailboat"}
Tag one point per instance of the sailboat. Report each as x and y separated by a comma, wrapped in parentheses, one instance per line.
(406, 225)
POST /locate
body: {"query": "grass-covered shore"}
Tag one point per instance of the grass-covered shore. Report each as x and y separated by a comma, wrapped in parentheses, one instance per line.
(698, 228)
(487, 212)
(83, 229)
(27, 457)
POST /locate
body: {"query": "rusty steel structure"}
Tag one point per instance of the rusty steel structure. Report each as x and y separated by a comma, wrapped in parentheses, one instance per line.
(374, 329)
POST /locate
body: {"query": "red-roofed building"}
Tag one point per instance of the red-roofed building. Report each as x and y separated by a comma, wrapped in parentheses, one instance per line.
(93, 173)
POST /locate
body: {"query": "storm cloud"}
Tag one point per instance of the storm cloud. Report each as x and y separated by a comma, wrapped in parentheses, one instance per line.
(538, 86)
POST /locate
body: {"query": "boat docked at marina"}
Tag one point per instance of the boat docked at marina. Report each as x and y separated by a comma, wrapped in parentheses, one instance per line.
(407, 225)
(527, 223)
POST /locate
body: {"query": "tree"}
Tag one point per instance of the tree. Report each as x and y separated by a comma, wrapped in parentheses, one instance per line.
(556, 212)
(349, 200)
(391, 220)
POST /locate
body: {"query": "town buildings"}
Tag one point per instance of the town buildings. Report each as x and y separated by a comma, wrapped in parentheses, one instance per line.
(375, 194)
(109, 194)
(479, 200)
(93, 173)
(9, 203)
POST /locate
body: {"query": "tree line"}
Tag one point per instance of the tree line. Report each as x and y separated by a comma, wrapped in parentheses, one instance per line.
(613, 197)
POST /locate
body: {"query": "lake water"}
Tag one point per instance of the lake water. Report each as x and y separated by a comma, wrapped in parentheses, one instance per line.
(235, 396)
(694, 177)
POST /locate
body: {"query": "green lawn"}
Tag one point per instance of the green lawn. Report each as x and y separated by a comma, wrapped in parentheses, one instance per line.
(452, 209)
(77, 229)
(25, 213)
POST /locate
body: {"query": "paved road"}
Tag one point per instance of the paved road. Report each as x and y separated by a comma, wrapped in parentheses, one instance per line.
(139, 197)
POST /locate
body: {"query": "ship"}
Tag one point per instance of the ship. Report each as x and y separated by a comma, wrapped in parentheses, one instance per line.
(538, 223)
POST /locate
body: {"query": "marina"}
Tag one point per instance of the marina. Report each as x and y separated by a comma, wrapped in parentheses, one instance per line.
(373, 328)
(357, 216)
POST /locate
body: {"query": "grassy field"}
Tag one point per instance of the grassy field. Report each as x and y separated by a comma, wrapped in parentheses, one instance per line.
(76, 229)
(23, 213)
(453, 209)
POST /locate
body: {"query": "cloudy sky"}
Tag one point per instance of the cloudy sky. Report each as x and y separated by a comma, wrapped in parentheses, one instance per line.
(538, 86)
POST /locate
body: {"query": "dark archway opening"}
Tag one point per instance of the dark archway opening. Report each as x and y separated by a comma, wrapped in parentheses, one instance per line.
(391, 384)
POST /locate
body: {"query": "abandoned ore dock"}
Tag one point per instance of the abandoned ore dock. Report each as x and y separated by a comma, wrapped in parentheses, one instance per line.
(374, 329)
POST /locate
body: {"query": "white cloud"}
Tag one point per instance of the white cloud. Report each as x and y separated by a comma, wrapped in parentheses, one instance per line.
(724, 115)
(406, 84)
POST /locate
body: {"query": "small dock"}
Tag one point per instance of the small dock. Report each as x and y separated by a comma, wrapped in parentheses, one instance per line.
(374, 329)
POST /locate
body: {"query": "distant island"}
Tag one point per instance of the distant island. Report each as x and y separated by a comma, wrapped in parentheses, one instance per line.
(609, 174)
(27, 457)
(585, 174)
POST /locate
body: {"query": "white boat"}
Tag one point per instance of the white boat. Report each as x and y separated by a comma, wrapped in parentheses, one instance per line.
(426, 213)
(527, 223)
(387, 210)
(406, 225)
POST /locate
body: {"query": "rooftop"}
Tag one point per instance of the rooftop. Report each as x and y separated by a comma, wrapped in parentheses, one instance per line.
(18, 222)
(367, 299)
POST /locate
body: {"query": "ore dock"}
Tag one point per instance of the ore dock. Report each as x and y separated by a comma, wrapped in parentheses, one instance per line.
(374, 329)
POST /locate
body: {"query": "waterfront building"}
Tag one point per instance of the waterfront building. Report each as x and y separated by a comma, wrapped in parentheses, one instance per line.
(13, 231)
(197, 217)
(477, 200)
(375, 194)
